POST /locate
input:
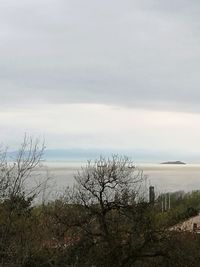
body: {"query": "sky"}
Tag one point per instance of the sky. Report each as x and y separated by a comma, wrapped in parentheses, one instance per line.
(105, 75)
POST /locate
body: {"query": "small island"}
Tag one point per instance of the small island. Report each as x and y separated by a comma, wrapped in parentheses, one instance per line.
(174, 162)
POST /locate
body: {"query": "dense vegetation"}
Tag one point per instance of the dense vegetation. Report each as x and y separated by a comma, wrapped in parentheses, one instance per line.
(104, 220)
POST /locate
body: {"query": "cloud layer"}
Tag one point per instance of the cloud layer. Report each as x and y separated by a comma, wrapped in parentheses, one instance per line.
(131, 53)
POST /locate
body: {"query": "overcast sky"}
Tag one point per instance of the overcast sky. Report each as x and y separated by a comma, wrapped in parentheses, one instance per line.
(101, 74)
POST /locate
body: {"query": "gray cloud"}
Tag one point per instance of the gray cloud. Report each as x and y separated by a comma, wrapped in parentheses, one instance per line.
(140, 53)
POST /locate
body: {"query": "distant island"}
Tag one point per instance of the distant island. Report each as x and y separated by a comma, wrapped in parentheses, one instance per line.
(174, 162)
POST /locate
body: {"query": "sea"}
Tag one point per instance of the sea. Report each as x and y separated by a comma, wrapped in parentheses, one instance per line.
(164, 177)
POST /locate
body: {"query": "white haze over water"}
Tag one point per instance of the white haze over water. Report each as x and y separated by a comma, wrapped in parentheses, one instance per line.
(165, 178)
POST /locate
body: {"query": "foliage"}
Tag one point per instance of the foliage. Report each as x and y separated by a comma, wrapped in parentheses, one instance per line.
(104, 220)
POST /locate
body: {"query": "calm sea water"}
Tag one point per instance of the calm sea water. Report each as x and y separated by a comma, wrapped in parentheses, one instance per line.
(164, 177)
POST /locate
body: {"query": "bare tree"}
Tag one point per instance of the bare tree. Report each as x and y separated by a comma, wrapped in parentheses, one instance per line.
(17, 191)
(119, 221)
(106, 185)
(106, 211)
(108, 182)
(15, 171)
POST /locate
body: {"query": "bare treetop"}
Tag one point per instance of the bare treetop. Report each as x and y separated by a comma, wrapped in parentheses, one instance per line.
(105, 180)
(14, 175)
